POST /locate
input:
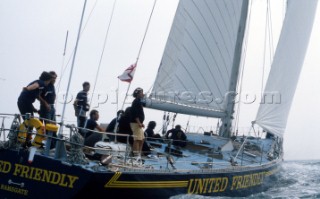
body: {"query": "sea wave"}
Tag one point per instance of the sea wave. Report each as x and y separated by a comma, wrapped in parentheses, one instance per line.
(297, 179)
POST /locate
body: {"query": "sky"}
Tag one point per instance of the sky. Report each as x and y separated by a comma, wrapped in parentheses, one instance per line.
(32, 40)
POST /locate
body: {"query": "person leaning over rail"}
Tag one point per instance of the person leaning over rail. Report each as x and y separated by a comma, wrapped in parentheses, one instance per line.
(32, 92)
(47, 101)
(48, 98)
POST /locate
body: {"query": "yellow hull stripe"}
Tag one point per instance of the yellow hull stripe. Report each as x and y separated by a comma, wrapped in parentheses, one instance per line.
(269, 173)
(115, 183)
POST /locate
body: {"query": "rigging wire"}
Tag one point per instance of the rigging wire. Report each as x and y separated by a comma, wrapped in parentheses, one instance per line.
(71, 55)
(71, 70)
(187, 126)
(217, 127)
(174, 119)
(166, 119)
(138, 56)
(240, 80)
(269, 41)
(62, 64)
(144, 37)
(271, 35)
(102, 53)
(117, 94)
(285, 5)
(271, 53)
(265, 48)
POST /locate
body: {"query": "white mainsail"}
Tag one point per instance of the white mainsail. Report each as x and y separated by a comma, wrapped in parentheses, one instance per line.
(195, 73)
(280, 88)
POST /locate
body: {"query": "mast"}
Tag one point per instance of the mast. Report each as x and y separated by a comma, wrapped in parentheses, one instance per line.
(60, 149)
(72, 65)
(225, 128)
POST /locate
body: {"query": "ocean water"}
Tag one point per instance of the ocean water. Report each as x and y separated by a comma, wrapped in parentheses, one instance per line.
(298, 179)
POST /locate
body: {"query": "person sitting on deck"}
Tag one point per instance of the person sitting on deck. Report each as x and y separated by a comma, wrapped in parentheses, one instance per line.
(149, 132)
(112, 125)
(90, 138)
(178, 136)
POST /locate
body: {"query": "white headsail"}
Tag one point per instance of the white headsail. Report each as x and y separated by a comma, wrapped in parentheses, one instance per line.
(195, 72)
(289, 57)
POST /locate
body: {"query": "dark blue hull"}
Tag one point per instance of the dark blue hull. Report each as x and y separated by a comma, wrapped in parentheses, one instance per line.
(50, 178)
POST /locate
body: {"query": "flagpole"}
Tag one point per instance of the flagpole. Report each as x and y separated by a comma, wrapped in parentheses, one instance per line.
(125, 98)
(103, 50)
(144, 37)
(117, 94)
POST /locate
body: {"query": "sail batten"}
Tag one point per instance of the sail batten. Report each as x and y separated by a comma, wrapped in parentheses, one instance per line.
(285, 70)
(198, 59)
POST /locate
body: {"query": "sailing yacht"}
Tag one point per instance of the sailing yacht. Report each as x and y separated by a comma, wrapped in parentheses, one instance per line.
(198, 75)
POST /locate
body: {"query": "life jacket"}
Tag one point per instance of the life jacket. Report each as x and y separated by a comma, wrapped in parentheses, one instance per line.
(31, 123)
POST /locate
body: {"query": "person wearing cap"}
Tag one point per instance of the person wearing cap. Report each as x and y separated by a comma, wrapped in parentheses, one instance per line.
(136, 121)
(81, 105)
(177, 135)
(47, 99)
(32, 92)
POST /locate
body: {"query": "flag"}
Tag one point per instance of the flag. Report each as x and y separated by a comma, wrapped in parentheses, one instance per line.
(127, 75)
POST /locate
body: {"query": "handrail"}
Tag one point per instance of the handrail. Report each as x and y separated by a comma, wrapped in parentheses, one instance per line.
(162, 161)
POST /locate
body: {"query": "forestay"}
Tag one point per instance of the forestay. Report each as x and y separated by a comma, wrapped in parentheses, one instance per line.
(195, 71)
(280, 88)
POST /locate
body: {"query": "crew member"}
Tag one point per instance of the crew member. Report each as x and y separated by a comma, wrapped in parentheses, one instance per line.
(81, 105)
(90, 138)
(136, 124)
(32, 92)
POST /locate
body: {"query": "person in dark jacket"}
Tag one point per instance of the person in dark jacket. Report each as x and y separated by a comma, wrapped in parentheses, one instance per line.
(114, 124)
(90, 138)
(81, 105)
(48, 98)
(124, 127)
(32, 92)
(149, 132)
(136, 124)
(177, 135)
